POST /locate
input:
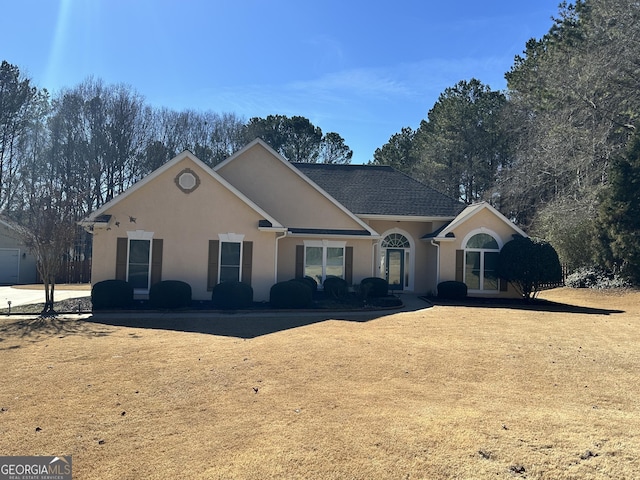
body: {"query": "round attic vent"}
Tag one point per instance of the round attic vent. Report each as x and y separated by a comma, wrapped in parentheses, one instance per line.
(187, 180)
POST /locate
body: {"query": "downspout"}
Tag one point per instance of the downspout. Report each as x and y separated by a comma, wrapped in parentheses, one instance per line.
(437, 245)
(374, 273)
(275, 267)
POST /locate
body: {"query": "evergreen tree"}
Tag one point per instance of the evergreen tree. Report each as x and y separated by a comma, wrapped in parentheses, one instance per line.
(619, 217)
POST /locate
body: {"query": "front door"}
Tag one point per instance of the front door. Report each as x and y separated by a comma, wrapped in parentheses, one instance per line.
(395, 268)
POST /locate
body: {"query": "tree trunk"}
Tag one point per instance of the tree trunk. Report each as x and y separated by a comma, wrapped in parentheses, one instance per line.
(49, 290)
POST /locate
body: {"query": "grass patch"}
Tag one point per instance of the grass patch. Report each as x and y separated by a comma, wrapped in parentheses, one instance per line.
(445, 392)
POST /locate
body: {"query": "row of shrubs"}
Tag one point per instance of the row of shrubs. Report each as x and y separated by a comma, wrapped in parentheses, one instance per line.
(175, 294)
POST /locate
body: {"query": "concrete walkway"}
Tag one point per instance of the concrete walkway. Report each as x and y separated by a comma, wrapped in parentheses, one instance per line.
(27, 296)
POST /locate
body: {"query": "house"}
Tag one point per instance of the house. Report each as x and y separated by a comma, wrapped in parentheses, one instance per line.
(17, 264)
(260, 219)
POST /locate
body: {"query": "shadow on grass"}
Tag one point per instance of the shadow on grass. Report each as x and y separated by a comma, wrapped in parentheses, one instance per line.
(536, 305)
(238, 325)
(41, 328)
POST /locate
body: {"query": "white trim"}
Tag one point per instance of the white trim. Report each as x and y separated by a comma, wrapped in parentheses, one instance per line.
(477, 231)
(472, 210)
(231, 237)
(410, 265)
(405, 218)
(482, 252)
(148, 237)
(159, 171)
(324, 243)
(262, 143)
(139, 235)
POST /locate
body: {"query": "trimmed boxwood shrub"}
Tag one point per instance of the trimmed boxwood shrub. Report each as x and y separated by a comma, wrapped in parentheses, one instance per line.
(170, 294)
(291, 294)
(335, 287)
(374, 287)
(452, 290)
(110, 294)
(232, 295)
(308, 281)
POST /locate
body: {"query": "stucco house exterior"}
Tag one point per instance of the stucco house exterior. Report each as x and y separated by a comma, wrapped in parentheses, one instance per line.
(17, 264)
(260, 219)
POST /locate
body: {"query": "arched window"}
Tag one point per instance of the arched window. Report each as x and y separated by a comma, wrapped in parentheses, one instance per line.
(480, 261)
(395, 240)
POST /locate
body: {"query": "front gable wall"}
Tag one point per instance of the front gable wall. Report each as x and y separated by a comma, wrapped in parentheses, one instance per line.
(482, 221)
(281, 191)
(185, 220)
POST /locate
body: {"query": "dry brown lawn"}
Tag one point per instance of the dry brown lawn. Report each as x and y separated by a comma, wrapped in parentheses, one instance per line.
(444, 392)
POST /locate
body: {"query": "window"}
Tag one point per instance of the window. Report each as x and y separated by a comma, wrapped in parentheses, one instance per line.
(480, 262)
(139, 265)
(230, 253)
(324, 259)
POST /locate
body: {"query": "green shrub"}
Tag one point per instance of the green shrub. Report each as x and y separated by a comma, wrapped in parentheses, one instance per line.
(374, 287)
(232, 295)
(335, 287)
(308, 281)
(291, 294)
(110, 294)
(529, 265)
(452, 290)
(170, 294)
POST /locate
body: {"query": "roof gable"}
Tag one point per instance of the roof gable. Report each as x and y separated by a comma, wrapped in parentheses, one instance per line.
(292, 197)
(185, 156)
(380, 190)
(470, 212)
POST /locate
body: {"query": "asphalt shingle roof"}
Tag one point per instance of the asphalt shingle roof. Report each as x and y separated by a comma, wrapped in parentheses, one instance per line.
(380, 190)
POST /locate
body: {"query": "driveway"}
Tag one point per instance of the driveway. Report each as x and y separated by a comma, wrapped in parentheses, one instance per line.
(26, 295)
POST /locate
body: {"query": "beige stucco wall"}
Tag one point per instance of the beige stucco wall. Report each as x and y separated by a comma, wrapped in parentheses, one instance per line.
(484, 221)
(280, 191)
(186, 223)
(9, 239)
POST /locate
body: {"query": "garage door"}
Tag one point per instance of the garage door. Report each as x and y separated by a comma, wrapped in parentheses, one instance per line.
(9, 265)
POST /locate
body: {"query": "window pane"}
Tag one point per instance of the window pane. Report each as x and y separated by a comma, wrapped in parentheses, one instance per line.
(314, 272)
(336, 271)
(490, 275)
(472, 270)
(230, 253)
(139, 275)
(483, 240)
(139, 263)
(229, 274)
(313, 256)
(335, 256)
(139, 251)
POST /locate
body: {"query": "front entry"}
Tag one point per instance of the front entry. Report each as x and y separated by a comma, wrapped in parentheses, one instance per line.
(395, 268)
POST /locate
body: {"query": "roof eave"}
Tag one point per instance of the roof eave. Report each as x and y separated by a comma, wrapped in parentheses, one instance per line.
(406, 218)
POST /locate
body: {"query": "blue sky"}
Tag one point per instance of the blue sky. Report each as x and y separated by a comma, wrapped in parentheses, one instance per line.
(363, 69)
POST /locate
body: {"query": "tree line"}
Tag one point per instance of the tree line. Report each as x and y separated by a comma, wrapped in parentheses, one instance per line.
(96, 140)
(63, 156)
(558, 152)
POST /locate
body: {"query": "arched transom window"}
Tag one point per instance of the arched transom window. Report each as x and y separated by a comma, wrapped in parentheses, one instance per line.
(480, 262)
(395, 240)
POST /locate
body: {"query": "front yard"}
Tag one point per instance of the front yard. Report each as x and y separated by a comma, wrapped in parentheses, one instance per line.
(445, 392)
